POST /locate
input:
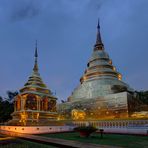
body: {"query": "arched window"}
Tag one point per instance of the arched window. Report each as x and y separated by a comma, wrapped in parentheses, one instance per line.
(31, 102)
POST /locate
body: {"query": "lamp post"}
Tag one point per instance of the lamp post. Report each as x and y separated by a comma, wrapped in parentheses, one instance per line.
(101, 132)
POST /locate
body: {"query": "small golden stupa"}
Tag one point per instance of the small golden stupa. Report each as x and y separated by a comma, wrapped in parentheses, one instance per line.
(35, 104)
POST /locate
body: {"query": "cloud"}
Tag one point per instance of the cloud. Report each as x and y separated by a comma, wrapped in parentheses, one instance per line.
(66, 30)
(25, 10)
(18, 10)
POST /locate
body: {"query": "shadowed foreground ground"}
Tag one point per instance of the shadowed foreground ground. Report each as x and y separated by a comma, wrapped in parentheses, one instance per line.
(130, 141)
(108, 140)
(12, 142)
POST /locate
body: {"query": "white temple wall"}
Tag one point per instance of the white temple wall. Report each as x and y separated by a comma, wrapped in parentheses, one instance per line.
(36, 129)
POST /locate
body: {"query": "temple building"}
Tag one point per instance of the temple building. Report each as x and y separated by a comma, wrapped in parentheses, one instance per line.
(35, 103)
(101, 93)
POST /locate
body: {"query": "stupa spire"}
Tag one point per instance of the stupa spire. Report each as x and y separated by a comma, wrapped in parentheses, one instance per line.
(35, 69)
(99, 44)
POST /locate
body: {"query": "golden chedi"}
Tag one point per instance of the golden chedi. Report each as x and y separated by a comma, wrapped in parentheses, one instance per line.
(35, 104)
(101, 93)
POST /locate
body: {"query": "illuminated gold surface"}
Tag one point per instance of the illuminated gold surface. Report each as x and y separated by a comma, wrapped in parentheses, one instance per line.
(6, 138)
(23, 117)
(101, 93)
(141, 114)
(35, 104)
(78, 114)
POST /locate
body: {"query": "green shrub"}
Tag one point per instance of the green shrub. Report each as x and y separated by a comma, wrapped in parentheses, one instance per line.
(90, 129)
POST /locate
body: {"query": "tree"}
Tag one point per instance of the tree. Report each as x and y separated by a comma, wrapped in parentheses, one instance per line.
(11, 95)
(143, 96)
(7, 106)
(1, 99)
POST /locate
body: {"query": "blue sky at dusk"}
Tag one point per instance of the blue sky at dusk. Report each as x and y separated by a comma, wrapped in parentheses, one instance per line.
(66, 34)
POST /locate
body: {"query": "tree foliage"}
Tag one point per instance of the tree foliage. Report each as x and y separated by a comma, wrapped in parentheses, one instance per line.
(7, 106)
(143, 96)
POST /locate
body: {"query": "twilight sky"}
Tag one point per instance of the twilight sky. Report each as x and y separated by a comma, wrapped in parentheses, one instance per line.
(66, 33)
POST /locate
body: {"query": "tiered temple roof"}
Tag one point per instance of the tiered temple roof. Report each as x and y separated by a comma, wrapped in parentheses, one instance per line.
(35, 85)
(99, 65)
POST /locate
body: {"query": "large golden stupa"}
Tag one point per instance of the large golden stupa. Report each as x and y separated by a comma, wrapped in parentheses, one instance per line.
(35, 104)
(101, 93)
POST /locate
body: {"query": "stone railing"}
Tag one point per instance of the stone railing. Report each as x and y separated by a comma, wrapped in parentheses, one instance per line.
(113, 123)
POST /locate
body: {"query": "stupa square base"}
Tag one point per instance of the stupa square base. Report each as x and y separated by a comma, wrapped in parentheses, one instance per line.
(34, 118)
(40, 122)
(113, 106)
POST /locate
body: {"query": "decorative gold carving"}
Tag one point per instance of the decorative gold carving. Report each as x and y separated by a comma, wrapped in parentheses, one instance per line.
(23, 117)
(78, 114)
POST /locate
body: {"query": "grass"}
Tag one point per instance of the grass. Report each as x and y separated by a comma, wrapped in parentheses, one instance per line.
(11, 142)
(128, 141)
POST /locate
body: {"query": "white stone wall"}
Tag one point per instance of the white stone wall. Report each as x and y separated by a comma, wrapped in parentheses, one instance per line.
(36, 129)
(139, 127)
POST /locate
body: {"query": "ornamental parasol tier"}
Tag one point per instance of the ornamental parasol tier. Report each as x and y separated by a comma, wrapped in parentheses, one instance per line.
(35, 104)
